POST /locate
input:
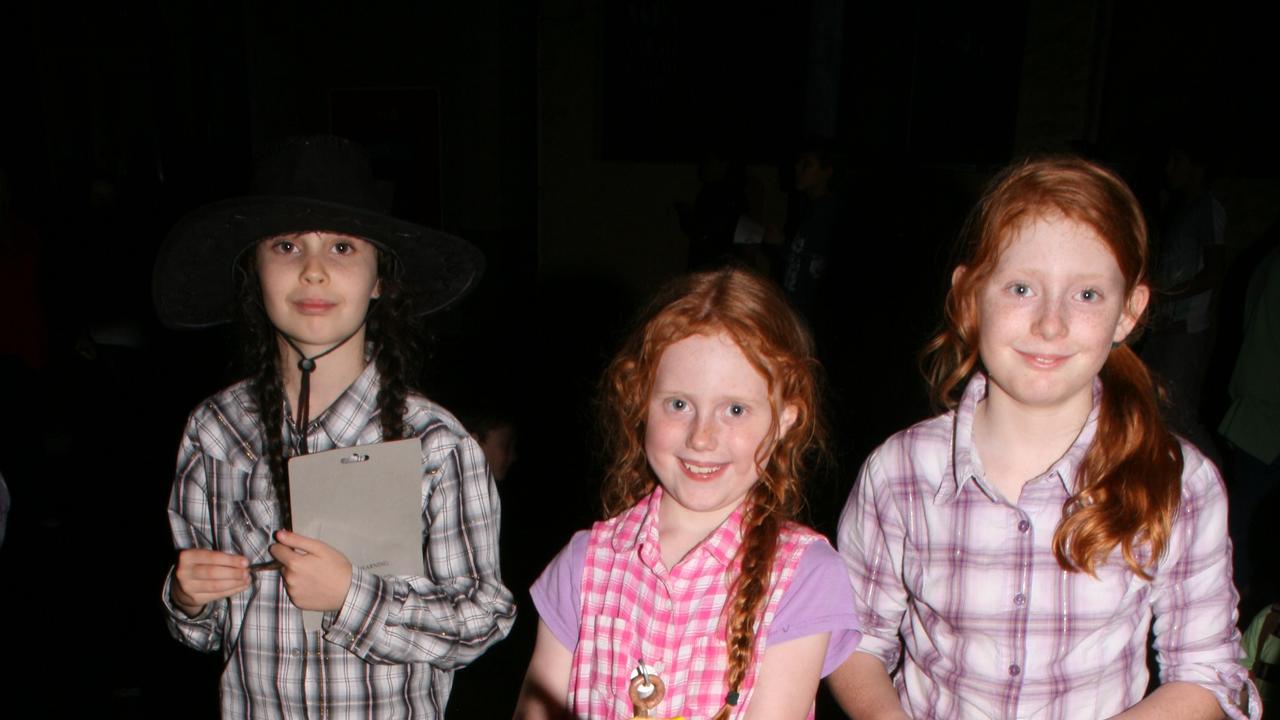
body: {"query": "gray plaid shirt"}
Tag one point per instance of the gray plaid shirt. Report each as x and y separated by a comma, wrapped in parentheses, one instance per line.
(390, 652)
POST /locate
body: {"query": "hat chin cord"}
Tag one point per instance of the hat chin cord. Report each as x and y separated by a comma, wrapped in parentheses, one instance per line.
(307, 365)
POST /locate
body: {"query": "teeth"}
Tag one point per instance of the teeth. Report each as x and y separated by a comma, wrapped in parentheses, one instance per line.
(701, 469)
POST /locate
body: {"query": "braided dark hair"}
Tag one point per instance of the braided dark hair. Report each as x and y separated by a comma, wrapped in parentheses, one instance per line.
(391, 330)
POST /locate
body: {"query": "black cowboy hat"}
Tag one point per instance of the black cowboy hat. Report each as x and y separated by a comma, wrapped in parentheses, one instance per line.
(313, 183)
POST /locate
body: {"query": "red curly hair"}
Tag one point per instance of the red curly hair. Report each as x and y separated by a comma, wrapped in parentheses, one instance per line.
(1129, 483)
(753, 312)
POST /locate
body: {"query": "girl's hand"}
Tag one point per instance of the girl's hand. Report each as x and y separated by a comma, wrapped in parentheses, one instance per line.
(315, 574)
(206, 575)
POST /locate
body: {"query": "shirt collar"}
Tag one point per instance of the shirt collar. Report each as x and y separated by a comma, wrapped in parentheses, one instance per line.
(966, 465)
(639, 530)
(343, 420)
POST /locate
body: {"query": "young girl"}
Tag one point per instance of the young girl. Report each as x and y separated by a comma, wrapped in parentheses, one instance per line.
(699, 596)
(1012, 553)
(326, 282)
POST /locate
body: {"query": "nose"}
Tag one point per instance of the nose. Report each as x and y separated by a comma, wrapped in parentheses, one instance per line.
(313, 267)
(702, 434)
(1051, 320)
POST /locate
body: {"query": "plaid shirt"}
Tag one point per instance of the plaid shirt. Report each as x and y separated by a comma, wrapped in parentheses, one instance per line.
(966, 582)
(391, 650)
(634, 609)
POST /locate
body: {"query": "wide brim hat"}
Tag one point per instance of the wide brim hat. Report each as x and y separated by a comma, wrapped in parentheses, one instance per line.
(316, 183)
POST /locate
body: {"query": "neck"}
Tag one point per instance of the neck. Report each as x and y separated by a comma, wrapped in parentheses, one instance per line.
(1016, 443)
(334, 372)
(681, 530)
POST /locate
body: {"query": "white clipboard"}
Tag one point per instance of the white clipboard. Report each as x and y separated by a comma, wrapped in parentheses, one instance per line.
(365, 501)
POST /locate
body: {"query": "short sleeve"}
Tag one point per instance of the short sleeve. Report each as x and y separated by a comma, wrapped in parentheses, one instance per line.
(819, 600)
(557, 593)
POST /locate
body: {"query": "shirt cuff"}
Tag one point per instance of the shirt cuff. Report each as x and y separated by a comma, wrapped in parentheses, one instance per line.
(362, 613)
(206, 616)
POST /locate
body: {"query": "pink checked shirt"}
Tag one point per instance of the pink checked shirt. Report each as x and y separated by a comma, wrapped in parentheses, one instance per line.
(966, 583)
(633, 609)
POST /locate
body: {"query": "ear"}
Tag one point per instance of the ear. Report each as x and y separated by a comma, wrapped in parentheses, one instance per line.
(787, 418)
(958, 274)
(377, 290)
(1133, 309)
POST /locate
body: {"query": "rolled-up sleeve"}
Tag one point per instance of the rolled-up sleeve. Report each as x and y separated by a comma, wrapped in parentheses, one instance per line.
(870, 538)
(190, 522)
(1194, 600)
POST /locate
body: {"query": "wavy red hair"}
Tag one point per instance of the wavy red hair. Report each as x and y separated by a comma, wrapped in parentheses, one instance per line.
(1129, 483)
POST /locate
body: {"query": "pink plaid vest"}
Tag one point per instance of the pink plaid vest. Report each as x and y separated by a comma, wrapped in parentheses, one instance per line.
(634, 609)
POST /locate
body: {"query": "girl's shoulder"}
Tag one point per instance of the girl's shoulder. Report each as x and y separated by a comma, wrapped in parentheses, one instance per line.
(923, 450)
(430, 420)
(938, 430)
(230, 408)
(801, 534)
(225, 425)
(1201, 479)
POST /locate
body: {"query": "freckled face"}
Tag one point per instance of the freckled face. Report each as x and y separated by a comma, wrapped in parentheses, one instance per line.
(1049, 312)
(316, 286)
(708, 419)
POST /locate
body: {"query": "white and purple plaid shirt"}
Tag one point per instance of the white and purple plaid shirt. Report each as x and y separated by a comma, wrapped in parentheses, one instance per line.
(966, 583)
(390, 652)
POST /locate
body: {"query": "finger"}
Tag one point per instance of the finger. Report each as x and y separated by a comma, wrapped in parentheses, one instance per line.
(198, 556)
(199, 592)
(303, 543)
(216, 572)
(282, 553)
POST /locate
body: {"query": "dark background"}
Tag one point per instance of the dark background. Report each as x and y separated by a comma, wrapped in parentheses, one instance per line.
(558, 136)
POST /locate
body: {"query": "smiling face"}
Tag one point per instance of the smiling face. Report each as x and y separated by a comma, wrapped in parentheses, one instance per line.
(709, 417)
(316, 286)
(1049, 312)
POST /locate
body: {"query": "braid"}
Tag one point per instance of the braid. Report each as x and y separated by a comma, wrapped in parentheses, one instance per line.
(261, 358)
(391, 330)
(762, 524)
(268, 393)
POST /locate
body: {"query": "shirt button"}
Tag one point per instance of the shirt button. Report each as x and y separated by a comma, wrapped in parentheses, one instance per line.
(1014, 670)
(1024, 526)
(295, 652)
(1019, 599)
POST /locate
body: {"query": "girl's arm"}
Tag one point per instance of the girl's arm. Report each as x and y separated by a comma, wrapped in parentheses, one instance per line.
(788, 678)
(1194, 605)
(1175, 700)
(546, 683)
(870, 530)
(864, 690)
(196, 621)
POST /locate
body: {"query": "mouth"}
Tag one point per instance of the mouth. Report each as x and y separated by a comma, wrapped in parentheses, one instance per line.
(313, 307)
(1045, 362)
(701, 471)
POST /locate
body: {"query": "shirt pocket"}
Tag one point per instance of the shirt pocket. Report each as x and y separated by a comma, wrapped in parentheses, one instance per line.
(251, 525)
(702, 682)
(611, 646)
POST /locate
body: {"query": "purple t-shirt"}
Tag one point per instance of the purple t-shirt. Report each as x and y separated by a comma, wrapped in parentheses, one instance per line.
(818, 600)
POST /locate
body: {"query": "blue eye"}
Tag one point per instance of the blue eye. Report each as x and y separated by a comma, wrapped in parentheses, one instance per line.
(737, 410)
(1020, 290)
(1089, 295)
(677, 404)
